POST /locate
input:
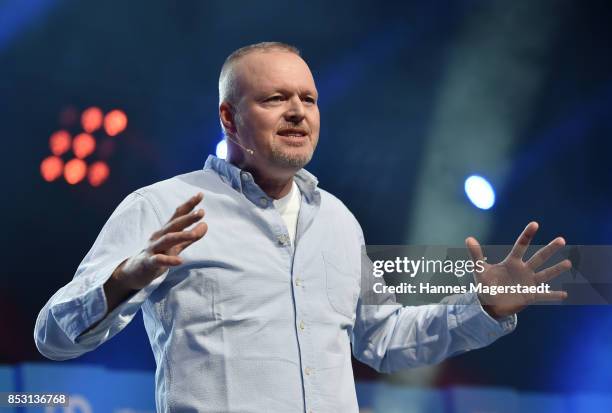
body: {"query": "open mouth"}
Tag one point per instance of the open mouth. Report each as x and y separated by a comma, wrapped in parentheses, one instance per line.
(292, 132)
(293, 135)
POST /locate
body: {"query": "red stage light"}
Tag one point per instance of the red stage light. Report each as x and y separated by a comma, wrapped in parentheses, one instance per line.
(51, 168)
(98, 173)
(59, 142)
(91, 119)
(115, 122)
(83, 145)
(75, 171)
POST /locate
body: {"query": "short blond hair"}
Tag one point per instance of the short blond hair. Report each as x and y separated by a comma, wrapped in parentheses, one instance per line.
(227, 79)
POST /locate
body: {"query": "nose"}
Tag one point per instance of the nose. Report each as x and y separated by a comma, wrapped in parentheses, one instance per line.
(295, 112)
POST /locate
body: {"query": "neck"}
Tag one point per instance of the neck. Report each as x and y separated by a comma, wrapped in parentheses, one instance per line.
(275, 184)
(275, 187)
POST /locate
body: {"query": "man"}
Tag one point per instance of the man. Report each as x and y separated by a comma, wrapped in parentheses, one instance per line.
(258, 312)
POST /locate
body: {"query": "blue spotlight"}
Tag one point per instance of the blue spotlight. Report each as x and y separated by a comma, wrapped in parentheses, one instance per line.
(221, 151)
(480, 192)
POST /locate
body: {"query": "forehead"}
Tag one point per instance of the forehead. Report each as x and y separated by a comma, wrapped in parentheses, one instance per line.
(262, 72)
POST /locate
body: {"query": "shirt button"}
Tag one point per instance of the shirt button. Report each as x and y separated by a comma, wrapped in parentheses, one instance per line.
(298, 281)
(302, 325)
(307, 371)
(283, 239)
(263, 201)
(244, 176)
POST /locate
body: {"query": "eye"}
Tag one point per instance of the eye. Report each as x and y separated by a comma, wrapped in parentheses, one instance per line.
(310, 99)
(275, 98)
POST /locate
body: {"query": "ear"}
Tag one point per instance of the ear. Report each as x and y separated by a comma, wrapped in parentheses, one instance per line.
(226, 115)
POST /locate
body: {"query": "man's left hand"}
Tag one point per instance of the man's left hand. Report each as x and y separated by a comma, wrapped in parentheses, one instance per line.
(513, 270)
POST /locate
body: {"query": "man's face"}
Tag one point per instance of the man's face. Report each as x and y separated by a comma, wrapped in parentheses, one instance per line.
(276, 114)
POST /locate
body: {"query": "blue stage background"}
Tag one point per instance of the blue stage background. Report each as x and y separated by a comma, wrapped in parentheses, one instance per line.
(415, 96)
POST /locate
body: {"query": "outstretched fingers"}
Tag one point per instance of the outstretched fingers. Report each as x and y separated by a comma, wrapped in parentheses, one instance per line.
(162, 260)
(188, 205)
(549, 273)
(173, 239)
(550, 296)
(200, 231)
(182, 222)
(523, 241)
(474, 248)
(182, 217)
(544, 253)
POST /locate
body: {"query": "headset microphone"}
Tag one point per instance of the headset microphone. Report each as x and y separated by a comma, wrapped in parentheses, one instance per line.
(249, 151)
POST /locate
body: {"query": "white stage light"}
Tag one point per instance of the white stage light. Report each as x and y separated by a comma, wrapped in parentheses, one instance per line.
(480, 192)
(221, 151)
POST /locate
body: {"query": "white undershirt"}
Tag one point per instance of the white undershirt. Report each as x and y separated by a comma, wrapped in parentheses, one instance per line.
(289, 208)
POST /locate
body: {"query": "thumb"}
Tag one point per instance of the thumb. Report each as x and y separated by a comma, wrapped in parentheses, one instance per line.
(474, 248)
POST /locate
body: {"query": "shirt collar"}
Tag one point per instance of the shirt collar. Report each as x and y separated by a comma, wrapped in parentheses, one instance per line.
(240, 180)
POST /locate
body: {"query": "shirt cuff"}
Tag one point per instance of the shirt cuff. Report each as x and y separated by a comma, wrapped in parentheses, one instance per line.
(478, 324)
(507, 323)
(82, 303)
(121, 316)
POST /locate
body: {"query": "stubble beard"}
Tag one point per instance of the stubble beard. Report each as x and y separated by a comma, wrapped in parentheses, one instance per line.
(285, 159)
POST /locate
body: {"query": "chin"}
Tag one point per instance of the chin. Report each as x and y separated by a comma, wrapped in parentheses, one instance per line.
(292, 159)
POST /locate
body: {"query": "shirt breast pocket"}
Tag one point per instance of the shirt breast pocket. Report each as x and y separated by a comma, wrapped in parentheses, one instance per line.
(342, 284)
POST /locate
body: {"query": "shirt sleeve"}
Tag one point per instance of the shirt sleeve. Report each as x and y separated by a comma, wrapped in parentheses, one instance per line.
(82, 303)
(389, 337)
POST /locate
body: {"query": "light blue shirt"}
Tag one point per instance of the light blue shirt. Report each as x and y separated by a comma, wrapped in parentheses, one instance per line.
(248, 323)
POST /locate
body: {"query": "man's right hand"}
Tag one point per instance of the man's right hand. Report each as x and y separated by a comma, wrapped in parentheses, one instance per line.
(162, 252)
